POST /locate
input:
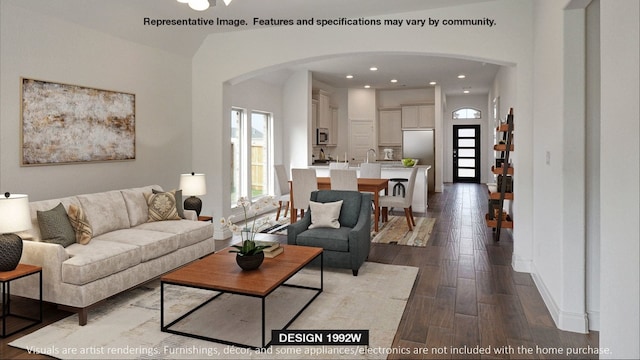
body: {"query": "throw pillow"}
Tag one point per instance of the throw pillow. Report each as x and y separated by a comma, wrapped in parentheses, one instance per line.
(179, 206)
(80, 224)
(55, 226)
(325, 214)
(162, 206)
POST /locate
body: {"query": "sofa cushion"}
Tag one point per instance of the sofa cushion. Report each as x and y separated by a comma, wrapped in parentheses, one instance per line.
(350, 207)
(189, 232)
(80, 224)
(137, 207)
(162, 206)
(179, 204)
(153, 244)
(98, 259)
(55, 226)
(105, 211)
(326, 238)
(43, 205)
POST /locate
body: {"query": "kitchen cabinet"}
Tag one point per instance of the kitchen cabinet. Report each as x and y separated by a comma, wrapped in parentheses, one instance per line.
(418, 116)
(326, 117)
(333, 129)
(390, 127)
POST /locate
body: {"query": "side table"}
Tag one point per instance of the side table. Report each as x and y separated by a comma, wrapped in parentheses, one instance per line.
(205, 218)
(6, 278)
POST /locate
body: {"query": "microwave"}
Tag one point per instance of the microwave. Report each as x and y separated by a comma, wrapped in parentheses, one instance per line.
(322, 136)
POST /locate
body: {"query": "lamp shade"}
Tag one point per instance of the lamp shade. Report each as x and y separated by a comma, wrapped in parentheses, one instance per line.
(14, 213)
(193, 184)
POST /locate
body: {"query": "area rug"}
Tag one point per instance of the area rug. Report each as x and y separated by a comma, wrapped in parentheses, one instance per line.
(127, 326)
(396, 231)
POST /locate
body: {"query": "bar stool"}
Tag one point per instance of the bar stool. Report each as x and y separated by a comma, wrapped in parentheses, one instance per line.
(399, 186)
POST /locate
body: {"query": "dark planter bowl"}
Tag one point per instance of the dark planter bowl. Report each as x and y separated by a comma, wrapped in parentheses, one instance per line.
(250, 262)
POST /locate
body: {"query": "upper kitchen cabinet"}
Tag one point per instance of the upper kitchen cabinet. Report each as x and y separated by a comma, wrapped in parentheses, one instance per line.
(325, 116)
(390, 127)
(418, 116)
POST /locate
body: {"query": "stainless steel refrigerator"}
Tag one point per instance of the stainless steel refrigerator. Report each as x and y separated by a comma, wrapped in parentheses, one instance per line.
(419, 144)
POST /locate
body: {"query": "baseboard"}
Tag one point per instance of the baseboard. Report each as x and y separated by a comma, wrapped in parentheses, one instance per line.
(521, 265)
(564, 320)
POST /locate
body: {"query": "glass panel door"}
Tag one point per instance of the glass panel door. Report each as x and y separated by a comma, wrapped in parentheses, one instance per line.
(466, 153)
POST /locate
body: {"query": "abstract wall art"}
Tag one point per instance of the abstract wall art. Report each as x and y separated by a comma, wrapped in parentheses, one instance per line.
(63, 124)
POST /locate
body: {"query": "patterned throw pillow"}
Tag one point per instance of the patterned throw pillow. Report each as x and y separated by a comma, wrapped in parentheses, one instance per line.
(162, 206)
(178, 195)
(80, 224)
(55, 226)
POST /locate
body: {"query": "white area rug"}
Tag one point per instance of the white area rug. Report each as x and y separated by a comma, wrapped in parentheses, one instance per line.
(128, 325)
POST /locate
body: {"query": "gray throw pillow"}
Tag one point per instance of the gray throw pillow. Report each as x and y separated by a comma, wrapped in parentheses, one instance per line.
(55, 226)
(178, 196)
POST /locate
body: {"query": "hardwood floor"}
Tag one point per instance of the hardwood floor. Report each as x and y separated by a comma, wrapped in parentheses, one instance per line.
(466, 296)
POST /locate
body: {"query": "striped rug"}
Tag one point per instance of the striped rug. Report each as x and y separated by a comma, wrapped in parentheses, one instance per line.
(396, 231)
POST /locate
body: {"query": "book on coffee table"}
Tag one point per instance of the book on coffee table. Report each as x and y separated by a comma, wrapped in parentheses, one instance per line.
(273, 253)
(272, 245)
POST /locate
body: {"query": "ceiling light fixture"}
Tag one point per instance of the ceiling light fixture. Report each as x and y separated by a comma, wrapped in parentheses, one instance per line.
(466, 91)
(394, 80)
(373, 68)
(201, 5)
(461, 76)
(367, 86)
(349, 76)
(432, 83)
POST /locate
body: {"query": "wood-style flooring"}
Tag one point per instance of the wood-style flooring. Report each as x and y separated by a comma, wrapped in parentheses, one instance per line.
(466, 299)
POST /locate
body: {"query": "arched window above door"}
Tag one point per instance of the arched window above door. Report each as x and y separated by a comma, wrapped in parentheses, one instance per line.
(466, 113)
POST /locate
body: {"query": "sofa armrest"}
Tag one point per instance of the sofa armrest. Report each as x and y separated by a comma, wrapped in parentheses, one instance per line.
(293, 230)
(190, 215)
(50, 257)
(360, 236)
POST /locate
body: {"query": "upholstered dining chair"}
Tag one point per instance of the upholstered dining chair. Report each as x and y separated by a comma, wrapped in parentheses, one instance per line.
(282, 196)
(342, 179)
(370, 170)
(404, 202)
(338, 165)
(303, 182)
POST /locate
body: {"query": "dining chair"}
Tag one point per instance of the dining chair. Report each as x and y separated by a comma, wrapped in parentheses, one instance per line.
(371, 170)
(342, 179)
(303, 182)
(338, 165)
(404, 202)
(283, 197)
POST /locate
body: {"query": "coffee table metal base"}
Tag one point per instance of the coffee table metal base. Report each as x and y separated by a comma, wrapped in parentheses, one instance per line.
(265, 344)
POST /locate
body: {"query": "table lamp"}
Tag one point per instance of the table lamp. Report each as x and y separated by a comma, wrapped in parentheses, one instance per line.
(14, 217)
(193, 185)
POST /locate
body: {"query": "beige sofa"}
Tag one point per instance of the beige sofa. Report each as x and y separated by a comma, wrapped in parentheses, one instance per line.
(124, 252)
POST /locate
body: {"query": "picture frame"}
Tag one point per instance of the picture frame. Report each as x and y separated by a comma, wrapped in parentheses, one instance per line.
(67, 124)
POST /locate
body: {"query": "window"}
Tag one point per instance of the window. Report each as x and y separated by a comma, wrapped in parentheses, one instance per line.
(251, 153)
(467, 113)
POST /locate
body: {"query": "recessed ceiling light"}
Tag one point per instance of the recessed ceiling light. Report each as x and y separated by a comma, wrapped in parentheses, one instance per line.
(373, 68)
(462, 76)
(394, 80)
(367, 86)
(432, 83)
(349, 76)
(466, 91)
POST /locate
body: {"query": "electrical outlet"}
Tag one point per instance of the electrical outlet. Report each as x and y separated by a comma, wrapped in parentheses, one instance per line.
(548, 157)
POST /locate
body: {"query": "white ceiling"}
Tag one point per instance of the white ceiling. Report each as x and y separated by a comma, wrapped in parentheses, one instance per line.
(125, 19)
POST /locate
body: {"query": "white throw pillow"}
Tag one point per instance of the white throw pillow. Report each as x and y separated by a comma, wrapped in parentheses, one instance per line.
(325, 214)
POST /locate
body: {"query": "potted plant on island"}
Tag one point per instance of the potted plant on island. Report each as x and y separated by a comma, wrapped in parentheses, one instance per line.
(249, 255)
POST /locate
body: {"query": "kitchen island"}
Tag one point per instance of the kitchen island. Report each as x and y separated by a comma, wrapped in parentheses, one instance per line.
(396, 170)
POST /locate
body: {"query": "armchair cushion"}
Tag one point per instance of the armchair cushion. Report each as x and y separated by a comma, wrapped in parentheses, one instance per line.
(350, 206)
(325, 215)
(326, 238)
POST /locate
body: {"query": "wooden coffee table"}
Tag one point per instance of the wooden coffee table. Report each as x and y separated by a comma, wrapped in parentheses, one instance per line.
(220, 273)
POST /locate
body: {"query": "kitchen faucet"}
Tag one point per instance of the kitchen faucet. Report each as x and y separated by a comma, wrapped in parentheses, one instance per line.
(374, 154)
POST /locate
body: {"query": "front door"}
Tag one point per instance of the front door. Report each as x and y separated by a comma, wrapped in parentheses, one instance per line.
(466, 153)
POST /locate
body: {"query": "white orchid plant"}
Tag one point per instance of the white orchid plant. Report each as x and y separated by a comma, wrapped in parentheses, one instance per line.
(248, 229)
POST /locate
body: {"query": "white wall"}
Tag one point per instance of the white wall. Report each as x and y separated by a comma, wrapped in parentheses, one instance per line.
(39, 47)
(619, 179)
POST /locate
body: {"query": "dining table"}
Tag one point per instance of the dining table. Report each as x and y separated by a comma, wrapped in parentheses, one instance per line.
(371, 185)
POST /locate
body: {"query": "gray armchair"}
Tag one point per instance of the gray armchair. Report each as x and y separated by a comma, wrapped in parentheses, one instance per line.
(345, 247)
